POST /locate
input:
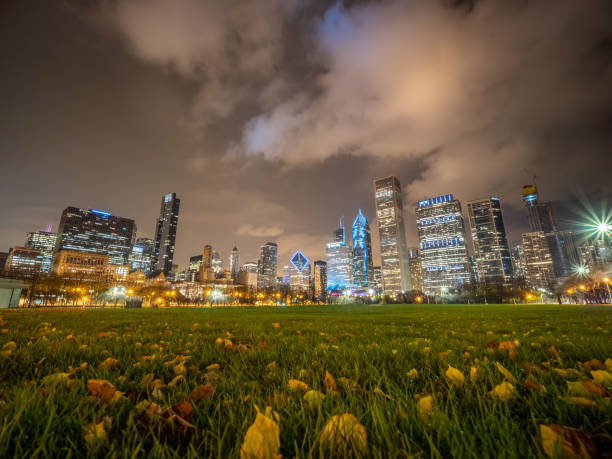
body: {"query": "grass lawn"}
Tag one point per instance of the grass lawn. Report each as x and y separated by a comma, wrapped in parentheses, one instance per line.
(154, 359)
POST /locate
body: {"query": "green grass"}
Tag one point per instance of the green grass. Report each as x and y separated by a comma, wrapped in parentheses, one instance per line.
(375, 346)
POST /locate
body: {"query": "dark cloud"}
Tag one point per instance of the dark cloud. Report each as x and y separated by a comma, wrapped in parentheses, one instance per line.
(270, 119)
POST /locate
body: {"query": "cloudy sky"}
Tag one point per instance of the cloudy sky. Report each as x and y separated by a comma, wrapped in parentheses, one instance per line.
(270, 119)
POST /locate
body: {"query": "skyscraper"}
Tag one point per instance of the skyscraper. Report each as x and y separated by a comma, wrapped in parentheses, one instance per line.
(141, 256)
(299, 273)
(390, 218)
(96, 231)
(165, 233)
(491, 249)
(320, 280)
(442, 241)
(267, 266)
(539, 269)
(207, 273)
(362, 252)
(416, 269)
(539, 213)
(45, 242)
(561, 244)
(339, 261)
(195, 263)
(217, 263)
(234, 262)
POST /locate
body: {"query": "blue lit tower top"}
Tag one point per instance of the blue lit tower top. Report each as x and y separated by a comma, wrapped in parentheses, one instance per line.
(530, 195)
(362, 252)
(299, 261)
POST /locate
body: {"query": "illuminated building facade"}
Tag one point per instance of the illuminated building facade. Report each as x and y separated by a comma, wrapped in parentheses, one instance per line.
(518, 262)
(249, 267)
(339, 261)
(491, 250)
(416, 269)
(45, 242)
(71, 264)
(96, 231)
(390, 218)
(217, 264)
(320, 280)
(299, 273)
(539, 268)
(234, 262)
(24, 262)
(207, 273)
(443, 248)
(141, 256)
(362, 252)
(266, 267)
(165, 234)
(562, 244)
(195, 263)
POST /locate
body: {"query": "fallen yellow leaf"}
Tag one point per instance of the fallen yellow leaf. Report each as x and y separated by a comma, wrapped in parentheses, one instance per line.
(503, 391)
(602, 376)
(455, 376)
(424, 407)
(94, 433)
(344, 434)
(313, 398)
(413, 374)
(329, 384)
(505, 372)
(262, 439)
(296, 384)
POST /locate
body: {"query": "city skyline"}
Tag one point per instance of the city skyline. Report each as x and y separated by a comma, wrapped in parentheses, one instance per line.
(157, 123)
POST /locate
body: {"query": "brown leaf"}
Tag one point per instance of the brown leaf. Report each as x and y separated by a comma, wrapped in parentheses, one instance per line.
(108, 364)
(530, 367)
(183, 409)
(509, 346)
(593, 364)
(553, 349)
(565, 442)
(533, 386)
(201, 393)
(104, 390)
(587, 389)
(329, 384)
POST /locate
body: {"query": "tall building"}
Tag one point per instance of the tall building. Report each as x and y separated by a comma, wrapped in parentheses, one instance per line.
(416, 269)
(207, 273)
(518, 262)
(267, 266)
(195, 263)
(362, 252)
(24, 262)
(249, 267)
(299, 280)
(339, 261)
(320, 280)
(45, 242)
(234, 262)
(217, 264)
(95, 231)
(539, 214)
(141, 256)
(444, 252)
(539, 268)
(561, 244)
(165, 233)
(491, 250)
(390, 218)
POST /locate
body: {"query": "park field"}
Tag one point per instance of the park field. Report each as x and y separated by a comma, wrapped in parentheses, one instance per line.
(340, 381)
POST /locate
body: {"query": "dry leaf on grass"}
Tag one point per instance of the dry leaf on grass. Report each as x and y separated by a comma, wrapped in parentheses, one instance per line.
(313, 398)
(201, 393)
(103, 390)
(565, 442)
(108, 364)
(455, 377)
(296, 384)
(424, 407)
(262, 439)
(505, 372)
(329, 384)
(503, 391)
(344, 433)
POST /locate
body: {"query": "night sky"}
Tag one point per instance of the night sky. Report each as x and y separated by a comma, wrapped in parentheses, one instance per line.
(270, 119)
